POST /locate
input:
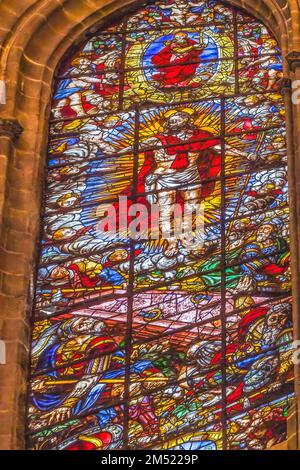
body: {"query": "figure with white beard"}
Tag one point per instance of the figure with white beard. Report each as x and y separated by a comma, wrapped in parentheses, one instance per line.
(71, 90)
(265, 260)
(261, 329)
(266, 191)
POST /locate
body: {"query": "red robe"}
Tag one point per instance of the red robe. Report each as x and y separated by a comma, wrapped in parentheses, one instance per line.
(209, 164)
(175, 71)
(99, 441)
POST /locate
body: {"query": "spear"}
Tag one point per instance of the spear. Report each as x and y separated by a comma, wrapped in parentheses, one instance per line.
(107, 381)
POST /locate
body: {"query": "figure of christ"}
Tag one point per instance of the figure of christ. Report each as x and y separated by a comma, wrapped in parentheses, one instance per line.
(177, 160)
(177, 62)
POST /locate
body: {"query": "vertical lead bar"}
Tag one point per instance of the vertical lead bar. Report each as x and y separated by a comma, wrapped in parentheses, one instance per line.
(223, 237)
(122, 69)
(236, 53)
(130, 290)
(223, 276)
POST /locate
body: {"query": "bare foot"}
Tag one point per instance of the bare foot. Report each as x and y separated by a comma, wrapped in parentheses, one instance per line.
(172, 249)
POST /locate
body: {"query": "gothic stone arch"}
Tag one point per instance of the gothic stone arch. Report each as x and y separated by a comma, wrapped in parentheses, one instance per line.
(35, 34)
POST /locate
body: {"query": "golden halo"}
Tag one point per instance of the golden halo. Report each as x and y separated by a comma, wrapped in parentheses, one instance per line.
(189, 111)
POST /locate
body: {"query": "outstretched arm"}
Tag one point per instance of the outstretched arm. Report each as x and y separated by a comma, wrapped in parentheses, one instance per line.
(232, 151)
(143, 145)
(64, 411)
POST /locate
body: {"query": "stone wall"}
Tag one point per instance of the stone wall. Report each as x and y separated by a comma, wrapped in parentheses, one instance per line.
(34, 35)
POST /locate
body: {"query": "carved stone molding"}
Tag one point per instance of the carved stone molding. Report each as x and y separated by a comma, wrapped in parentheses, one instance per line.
(11, 128)
(293, 59)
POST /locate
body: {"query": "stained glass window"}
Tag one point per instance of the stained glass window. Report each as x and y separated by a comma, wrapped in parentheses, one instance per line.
(153, 342)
